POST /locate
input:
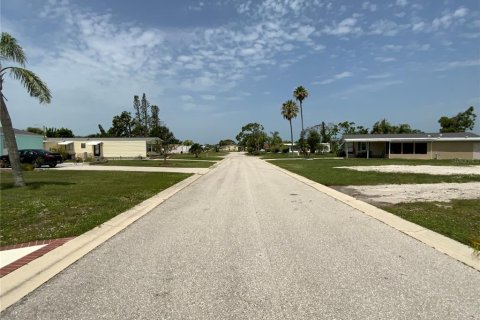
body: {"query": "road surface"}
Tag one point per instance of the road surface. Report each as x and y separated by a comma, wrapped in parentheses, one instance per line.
(249, 242)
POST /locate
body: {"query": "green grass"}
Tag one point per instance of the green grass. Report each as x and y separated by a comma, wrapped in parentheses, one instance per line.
(58, 204)
(292, 156)
(324, 172)
(458, 219)
(215, 156)
(157, 163)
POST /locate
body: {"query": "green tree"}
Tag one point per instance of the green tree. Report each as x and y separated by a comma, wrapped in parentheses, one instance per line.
(195, 149)
(122, 125)
(226, 142)
(382, 127)
(59, 133)
(290, 111)
(313, 139)
(462, 122)
(275, 141)
(168, 141)
(36, 130)
(252, 137)
(300, 93)
(154, 117)
(11, 51)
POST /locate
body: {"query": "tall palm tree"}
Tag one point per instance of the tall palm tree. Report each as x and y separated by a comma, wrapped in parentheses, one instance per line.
(11, 51)
(290, 111)
(300, 93)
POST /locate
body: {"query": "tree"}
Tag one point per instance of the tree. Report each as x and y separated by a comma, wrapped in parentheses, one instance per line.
(144, 116)
(462, 122)
(122, 125)
(59, 133)
(300, 93)
(226, 142)
(382, 127)
(252, 137)
(103, 133)
(35, 130)
(167, 142)
(11, 51)
(195, 149)
(154, 118)
(275, 141)
(290, 111)
(313, 139)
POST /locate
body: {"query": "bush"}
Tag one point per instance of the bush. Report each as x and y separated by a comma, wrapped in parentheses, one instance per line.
(285, 149)
(27, 167)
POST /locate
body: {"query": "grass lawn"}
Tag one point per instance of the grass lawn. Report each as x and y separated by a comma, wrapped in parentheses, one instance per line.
(58, 204)
(157, 163)
(293, 156)
(458, 219)
(324, 172)
(215, 156)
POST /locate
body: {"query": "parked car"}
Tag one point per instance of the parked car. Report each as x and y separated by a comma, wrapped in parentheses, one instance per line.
(36, 157)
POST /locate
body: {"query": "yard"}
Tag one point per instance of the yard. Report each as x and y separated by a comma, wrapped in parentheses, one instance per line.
(158, 163)
(458, 219)
(58, 204)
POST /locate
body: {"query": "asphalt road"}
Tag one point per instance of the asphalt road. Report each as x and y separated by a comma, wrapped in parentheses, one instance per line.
(249, 242)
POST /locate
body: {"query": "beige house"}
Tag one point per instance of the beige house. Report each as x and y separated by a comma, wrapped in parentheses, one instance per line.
(109, 148)
(461, 145)
(229, 148)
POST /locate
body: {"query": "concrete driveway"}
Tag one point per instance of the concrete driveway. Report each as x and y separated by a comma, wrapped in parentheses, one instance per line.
(246, 241)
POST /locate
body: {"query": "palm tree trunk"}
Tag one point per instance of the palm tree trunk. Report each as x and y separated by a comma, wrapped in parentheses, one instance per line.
(11, 143)
(301, 115)
(291, 135)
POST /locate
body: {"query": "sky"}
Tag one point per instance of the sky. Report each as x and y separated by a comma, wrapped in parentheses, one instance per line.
(214, 66)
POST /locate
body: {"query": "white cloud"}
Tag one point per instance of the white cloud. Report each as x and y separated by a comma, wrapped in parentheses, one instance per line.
(460, 12)
(336, 77)
(385, 27)
(401, 3)
(346, 26)
(458, 64)
(379, 76)
(209, 97)
(392, 47)
(369, 6)
(385, 59)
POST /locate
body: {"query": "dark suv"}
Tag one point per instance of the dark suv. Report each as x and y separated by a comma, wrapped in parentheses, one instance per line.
(36, 157)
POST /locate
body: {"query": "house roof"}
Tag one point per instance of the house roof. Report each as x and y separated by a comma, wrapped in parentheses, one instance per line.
(21, 132)
(454, 136)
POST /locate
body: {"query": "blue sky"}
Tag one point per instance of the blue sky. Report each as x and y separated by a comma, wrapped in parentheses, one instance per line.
(213, 66)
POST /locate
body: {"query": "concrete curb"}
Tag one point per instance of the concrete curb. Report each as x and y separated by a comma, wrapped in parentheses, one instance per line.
(450, 247)
(24, 280)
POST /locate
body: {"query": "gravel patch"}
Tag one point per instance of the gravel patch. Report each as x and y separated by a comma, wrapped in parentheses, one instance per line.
(398, 193)
(433, 170)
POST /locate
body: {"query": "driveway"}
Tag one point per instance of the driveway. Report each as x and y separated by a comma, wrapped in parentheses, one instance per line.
(246, 241)
(82, 167)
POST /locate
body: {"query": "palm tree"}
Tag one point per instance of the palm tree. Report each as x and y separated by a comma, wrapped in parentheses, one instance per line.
(11, 51)
(290, 111)
(196, 149)
(300, 93)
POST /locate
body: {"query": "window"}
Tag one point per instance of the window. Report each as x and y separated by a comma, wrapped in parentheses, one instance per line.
(396, 148)
(421, 148)
(82, 145)
(362, 146)
(408, 148)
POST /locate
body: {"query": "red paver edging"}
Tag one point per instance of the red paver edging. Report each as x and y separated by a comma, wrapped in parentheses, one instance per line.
(50, 245)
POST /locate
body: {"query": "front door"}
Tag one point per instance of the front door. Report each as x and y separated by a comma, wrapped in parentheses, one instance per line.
(97, 150)
(476, 151)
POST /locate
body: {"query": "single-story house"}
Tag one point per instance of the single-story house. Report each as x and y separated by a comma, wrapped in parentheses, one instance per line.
(228, 148)
(108, 148)
(25, 140)
(458, 145)
(180, 148)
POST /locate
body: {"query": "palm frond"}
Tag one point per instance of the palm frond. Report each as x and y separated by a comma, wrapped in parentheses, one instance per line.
(34, 85)
(10, 50)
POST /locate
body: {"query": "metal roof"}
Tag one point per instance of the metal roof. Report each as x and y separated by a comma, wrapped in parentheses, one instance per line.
(454, 136)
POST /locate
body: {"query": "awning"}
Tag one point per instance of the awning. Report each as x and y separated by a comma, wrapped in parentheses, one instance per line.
(94, 143)
(64, 143)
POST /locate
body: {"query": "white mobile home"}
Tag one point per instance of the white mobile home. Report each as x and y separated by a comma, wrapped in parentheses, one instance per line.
(108, 148)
